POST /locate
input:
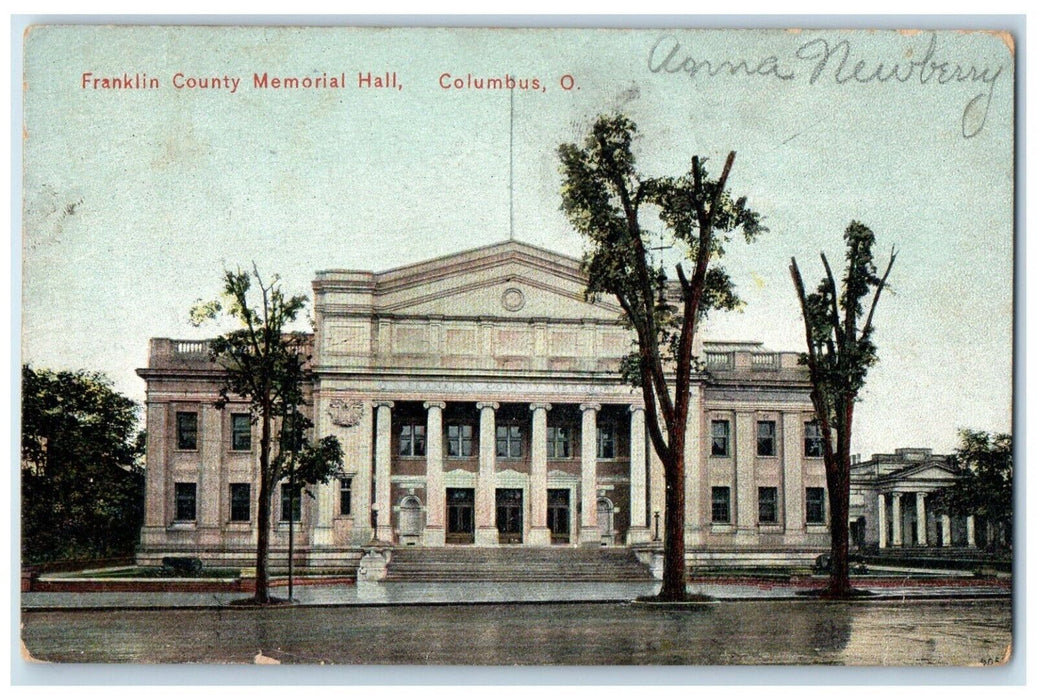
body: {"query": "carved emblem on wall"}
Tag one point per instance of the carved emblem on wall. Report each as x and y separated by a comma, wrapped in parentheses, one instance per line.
(345, 413)
(513, 299)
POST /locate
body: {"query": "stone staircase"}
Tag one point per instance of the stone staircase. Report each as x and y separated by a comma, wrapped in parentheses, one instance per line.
(563, 564)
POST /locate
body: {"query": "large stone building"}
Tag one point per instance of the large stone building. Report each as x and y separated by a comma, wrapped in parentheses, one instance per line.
(478, 402)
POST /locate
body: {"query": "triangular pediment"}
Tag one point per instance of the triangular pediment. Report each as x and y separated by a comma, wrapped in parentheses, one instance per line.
(928, 471)
(507, 280)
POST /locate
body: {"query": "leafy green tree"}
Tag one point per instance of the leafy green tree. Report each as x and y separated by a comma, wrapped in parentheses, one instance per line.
(985, 486)
(839, 353)
(265, 363)
(81, 477)
(606, 199)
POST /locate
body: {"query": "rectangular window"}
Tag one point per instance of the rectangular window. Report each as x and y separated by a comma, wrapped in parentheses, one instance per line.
(186, 496)
(412, 440)
(345, 496)
(186, 430)
(768, 503)
(240, 502)
(721, 432)
(816, 506)
(240, 431)
(813, 446)
(606, 442)
(765, 431)
(459, 441)
(509, 441)
(291, 502)
(721, 504)
(559, 442)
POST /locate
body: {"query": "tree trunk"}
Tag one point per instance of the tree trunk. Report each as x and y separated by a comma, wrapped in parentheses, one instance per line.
(674, 569)
(839, 505)
(262, 595)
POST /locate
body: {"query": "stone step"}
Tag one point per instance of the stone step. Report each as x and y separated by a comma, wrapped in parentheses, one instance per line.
(563, 564)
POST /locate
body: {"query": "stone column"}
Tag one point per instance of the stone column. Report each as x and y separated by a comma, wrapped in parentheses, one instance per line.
(435, 494)
(155, 475)
(793, 494)
(882, 521)
(898, 522)
(656, 494)
(745, 479)
(923, 534)
(945, 527)
(210, 454)
(382, 467)
(589, 534)
(638, 531)
(486, 488)
(694, 466)
(970, 529)
(539, 534)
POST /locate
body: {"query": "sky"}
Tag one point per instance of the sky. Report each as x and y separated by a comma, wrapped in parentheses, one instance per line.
(135, 200)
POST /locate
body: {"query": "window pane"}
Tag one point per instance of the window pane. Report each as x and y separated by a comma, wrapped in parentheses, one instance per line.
(240, 502)
(813, 445)
(721, 504)
(345, 497)
(816, 506)
(185, 495)
(768, 502)
(721, 430)
(291, 502)
(419, 441)
(187, 430)
(765, 431)
(241, 431)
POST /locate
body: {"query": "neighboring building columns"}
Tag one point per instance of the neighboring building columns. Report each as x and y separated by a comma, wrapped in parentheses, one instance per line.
(382, 465)
(539, 534)
(589, 534)
(638, 531)
(898, 522)
(486, 489)
(435, 494)
(155, 475)
(923, 535)
(882, 521)
(970, 529)
(945, 527)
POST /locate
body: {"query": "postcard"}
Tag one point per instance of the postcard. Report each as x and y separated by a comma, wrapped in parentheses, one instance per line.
(503, 346)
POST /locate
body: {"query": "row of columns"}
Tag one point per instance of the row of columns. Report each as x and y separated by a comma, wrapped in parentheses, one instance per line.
(920, 517)
(485, 493)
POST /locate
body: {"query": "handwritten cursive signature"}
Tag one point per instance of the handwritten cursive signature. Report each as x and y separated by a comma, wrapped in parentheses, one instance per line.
(836, 62)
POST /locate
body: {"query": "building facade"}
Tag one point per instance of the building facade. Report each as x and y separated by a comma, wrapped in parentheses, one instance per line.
(478, 402)
(889, 502)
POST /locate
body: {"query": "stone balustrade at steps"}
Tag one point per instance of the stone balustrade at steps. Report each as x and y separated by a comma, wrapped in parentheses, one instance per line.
(561, 564)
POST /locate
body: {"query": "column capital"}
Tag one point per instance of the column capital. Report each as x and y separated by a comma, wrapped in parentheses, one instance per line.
(434, 404)
(896, 495)
(634, 408)
(590, 406)
(535, 406)
(381, 402)
(487, 404)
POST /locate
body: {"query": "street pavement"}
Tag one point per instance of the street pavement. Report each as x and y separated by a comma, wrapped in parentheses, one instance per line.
(476, 593)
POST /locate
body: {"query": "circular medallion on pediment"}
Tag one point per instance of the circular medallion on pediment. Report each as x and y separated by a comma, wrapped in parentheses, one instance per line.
(513, 299)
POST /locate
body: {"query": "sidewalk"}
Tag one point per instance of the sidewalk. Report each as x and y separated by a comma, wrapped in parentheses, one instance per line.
(476, 593)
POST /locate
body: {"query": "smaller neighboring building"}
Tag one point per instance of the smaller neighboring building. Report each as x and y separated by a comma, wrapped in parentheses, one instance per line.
(889, 502)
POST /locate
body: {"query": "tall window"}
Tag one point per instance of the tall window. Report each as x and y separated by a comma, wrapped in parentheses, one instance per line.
(459, 441)
(768, 504)
(240, 431)
(721, 432)
(606, 441)
(291, 502)
(509, 441)
(816, 506)
(186, 430)
(345, 496)
(186, 497)
(412, 440)
(765, 431)
(559, 442)
(240, 502)
(813, 446)
(721, 504)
